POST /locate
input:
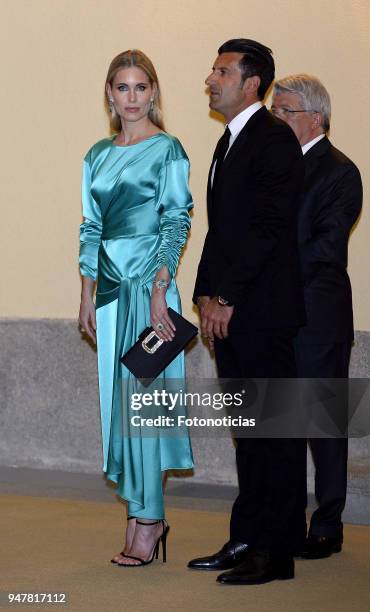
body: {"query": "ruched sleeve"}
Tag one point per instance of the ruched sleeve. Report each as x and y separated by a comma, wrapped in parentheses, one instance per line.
(174, 202)
(90, 229)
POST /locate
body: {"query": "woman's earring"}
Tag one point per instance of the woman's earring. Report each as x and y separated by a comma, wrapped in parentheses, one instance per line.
(111, 107)
(151, 105)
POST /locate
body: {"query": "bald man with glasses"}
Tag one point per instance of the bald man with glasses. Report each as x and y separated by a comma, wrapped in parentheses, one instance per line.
(332, 202)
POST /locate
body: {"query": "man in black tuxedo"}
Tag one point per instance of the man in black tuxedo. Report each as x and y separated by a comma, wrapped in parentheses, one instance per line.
(331, 205)
(249, 294)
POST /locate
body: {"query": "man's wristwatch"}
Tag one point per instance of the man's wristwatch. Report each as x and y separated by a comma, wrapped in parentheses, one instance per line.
(223, 302)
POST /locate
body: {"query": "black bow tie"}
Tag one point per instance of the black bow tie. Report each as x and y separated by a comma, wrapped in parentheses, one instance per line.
(222, 148)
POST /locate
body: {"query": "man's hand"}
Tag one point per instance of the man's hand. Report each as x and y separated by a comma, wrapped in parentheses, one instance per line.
(201, 302)
(214, 319)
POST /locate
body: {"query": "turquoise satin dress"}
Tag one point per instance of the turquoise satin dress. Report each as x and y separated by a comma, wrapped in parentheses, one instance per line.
(136, 206)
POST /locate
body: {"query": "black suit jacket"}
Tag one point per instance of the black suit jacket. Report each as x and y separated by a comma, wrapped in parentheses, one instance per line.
(331, 204)
(250, 254)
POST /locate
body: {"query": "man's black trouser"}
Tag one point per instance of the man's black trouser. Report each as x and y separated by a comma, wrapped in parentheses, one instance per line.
(269, 512)
(329, 454)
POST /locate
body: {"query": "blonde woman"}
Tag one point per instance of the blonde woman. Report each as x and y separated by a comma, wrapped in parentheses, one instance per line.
(136, 205)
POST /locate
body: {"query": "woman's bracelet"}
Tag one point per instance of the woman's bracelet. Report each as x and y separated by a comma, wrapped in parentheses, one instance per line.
(161, 283)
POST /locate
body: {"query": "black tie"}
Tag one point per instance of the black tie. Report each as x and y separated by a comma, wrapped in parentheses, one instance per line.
(222, 147)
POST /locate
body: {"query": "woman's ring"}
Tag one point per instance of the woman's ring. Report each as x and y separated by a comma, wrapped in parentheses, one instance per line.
(160, 326)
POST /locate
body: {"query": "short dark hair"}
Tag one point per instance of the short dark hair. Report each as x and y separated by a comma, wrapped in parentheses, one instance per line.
(257, 60)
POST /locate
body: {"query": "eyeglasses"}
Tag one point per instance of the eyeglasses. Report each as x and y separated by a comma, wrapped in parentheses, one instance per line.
(288, 111)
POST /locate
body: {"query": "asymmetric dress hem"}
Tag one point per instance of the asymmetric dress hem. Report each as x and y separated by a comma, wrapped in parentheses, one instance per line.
(136, 206)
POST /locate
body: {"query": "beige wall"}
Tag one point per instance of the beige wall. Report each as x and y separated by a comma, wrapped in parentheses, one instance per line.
(55, 54)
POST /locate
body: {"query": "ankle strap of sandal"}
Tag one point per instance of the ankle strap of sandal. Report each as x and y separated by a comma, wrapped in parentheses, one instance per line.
(148, 524)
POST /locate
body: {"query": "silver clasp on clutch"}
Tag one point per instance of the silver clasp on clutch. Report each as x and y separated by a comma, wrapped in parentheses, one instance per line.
(151, 350)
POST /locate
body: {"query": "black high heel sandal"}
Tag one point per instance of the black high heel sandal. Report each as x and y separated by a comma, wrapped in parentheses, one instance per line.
(162, 538)
(129, 518)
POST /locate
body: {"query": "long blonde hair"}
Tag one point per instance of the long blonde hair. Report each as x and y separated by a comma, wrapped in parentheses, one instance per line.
(127, 59)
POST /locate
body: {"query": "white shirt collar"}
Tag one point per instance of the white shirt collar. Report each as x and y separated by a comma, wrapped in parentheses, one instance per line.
(236, 125)
(310, 144)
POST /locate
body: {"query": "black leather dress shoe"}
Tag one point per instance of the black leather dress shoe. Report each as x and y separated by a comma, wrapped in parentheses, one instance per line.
(230, 555)
(260, 567)
(320, 547)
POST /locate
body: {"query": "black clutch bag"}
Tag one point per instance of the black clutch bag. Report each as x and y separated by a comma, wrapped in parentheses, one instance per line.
(150, 355)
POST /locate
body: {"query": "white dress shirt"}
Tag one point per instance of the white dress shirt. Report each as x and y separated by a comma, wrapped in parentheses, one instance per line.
(236, 125)
(310, 144)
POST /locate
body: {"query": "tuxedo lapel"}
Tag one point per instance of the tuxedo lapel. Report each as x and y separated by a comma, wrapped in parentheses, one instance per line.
(209, 191)
(240, 141)
(233, 152)
(209, 183)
